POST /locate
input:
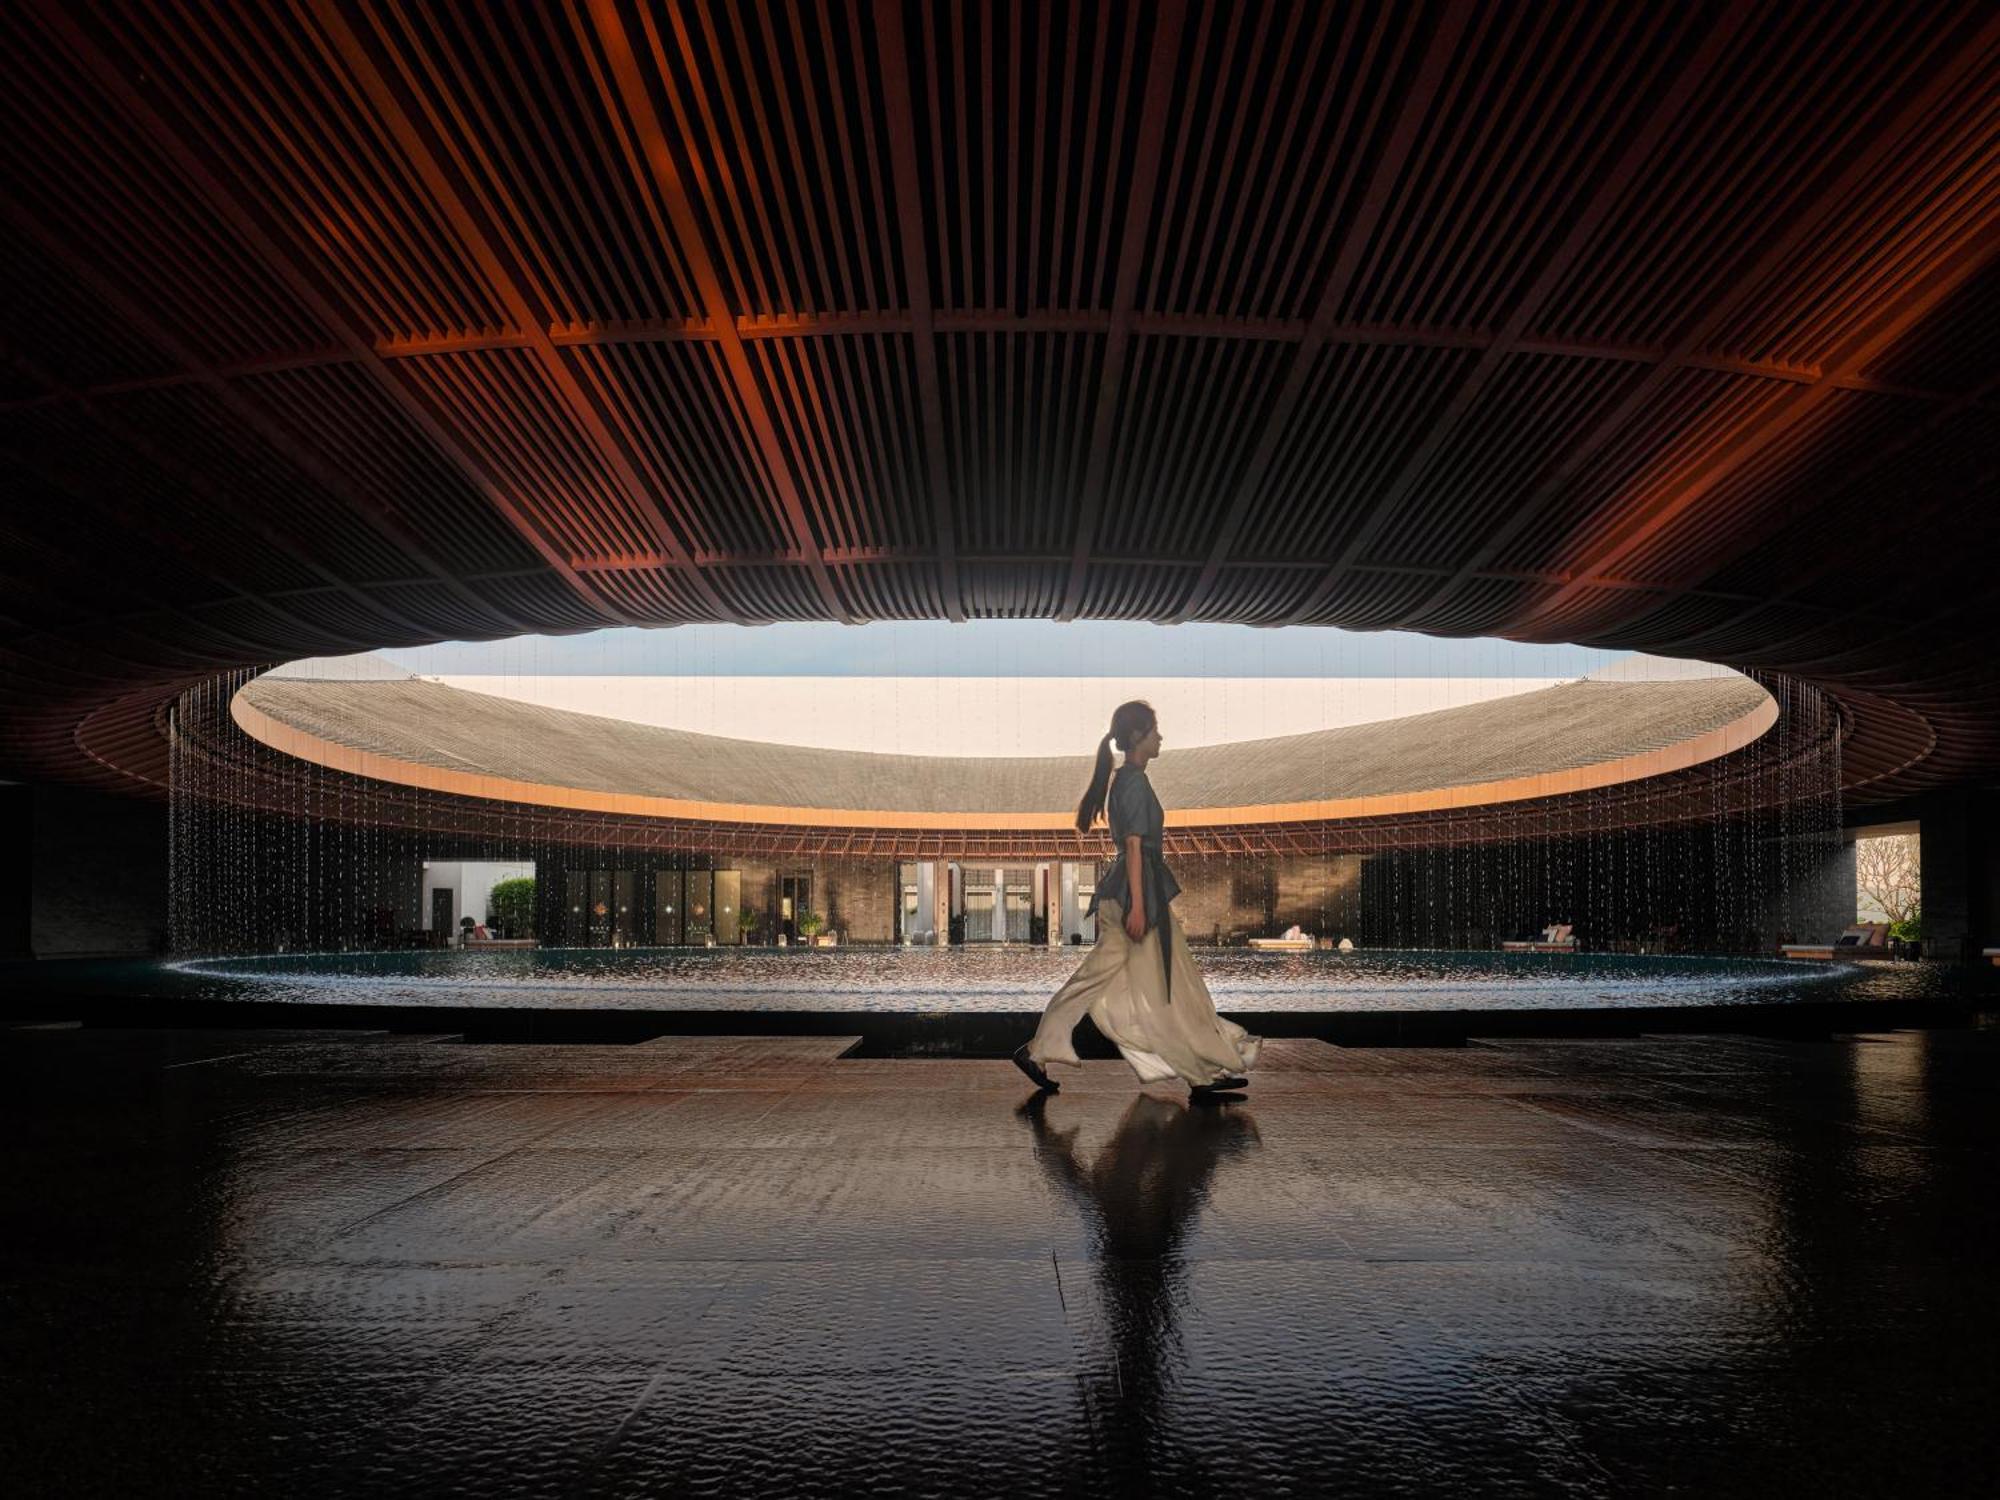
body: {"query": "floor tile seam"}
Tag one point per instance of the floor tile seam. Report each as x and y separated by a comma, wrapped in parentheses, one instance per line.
(1813, 1115)
(595, 1180)
(202, 1062)
(745, 1266)
(421, 1193)
(295, 1153)
(391, 1265)
(1661, 1139)
(906, 1368)
(601, 1452)
(437, 1112)
(284, 1319)
(1562, 1433)
(492, 1331)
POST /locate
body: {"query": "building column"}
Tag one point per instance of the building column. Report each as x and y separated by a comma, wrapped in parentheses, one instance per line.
(96, 872)
(1960, 854)
(17, 887)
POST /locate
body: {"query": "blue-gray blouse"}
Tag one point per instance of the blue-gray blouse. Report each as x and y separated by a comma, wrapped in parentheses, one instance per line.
(1132, 807)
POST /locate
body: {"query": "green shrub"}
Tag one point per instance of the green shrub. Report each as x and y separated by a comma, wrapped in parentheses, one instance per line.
(512, 905)
(1910, 929)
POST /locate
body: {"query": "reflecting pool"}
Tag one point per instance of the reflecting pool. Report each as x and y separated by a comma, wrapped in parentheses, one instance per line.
(1005, 979)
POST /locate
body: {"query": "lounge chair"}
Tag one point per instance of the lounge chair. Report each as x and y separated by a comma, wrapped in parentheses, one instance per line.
(1284, 944)
(1862, 940)
(1557, 937)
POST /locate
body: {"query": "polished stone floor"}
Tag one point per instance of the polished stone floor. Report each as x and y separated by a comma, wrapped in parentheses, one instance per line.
(324, 1263)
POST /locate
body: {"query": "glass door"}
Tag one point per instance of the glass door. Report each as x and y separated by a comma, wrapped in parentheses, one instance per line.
(700, 906)
(1018, 888)
(598, 909)
(669, 903)
(624, 901)
(979, 906)
(916, 903)
(728, 901)
(795, 894)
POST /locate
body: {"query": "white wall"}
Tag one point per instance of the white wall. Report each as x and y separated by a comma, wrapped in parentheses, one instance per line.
(471, 883)
(1002, 716)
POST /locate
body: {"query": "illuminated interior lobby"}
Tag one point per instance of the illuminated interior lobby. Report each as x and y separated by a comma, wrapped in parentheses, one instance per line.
(1538, 460)
(1452, 828)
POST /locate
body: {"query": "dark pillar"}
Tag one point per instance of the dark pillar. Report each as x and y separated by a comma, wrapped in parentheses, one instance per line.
(17, 886)
(1986, 871)
(97, 869)
(1960, 830)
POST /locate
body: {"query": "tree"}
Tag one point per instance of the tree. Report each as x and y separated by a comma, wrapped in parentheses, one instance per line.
(1886, 876)
(512, 904)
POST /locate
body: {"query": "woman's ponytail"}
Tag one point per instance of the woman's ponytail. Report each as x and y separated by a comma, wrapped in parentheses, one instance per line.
(1131, 723)
(1092, 805)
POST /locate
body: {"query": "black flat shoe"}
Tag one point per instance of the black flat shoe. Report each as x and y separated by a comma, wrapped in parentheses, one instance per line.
(1221, 1086)
(1037, 1074)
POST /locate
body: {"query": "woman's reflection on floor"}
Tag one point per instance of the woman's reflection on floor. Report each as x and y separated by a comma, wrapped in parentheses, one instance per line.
(1141, 1195)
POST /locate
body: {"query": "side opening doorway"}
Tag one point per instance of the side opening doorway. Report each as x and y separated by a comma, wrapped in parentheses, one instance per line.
(602, 908)
(795, 895)
(999, 903)
(1889, 890)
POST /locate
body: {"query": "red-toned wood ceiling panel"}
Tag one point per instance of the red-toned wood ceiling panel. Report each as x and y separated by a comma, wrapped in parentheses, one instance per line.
(365, 322)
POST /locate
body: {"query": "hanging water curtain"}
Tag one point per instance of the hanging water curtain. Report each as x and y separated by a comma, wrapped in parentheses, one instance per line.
(274, 852)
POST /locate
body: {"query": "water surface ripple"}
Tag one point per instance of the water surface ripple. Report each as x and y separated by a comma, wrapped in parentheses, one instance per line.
(1022, 978)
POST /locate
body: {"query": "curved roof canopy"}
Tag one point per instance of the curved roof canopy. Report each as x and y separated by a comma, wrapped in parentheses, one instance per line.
(1573, 737)
(1663, 327)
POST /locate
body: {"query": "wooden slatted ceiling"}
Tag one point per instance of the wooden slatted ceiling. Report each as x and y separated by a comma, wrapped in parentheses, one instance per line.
(372, 323)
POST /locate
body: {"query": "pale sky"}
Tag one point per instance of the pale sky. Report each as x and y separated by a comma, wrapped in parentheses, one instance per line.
(999, 648)
(1006, 688)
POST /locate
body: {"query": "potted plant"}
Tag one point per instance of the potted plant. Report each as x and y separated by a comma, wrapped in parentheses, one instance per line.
(513, 903)
(747, 923)
(810, 925)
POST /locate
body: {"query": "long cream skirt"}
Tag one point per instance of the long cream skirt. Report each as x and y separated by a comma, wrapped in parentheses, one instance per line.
(1122, 986)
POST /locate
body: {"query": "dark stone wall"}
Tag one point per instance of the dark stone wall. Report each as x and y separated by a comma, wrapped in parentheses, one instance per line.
(97, 873)
(1819, 904)
(1982, 876)
(17, 843)
(1960, 851)
(1985, 903)
(1732, 887)
(860, 899)
(1227, 900)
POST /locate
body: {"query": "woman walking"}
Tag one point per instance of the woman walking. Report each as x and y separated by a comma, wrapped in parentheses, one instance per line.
(1139, 984)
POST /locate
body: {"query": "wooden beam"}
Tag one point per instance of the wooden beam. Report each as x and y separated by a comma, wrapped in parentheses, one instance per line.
(531, 322)
(833, 325)
(1169, 18)
(1375, 201)
(917, 292)
(254, 416)
(645, 119)
(1866, 165)
(1809, 565)
(1583, 230)
(234, 212)
(1667, 503)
